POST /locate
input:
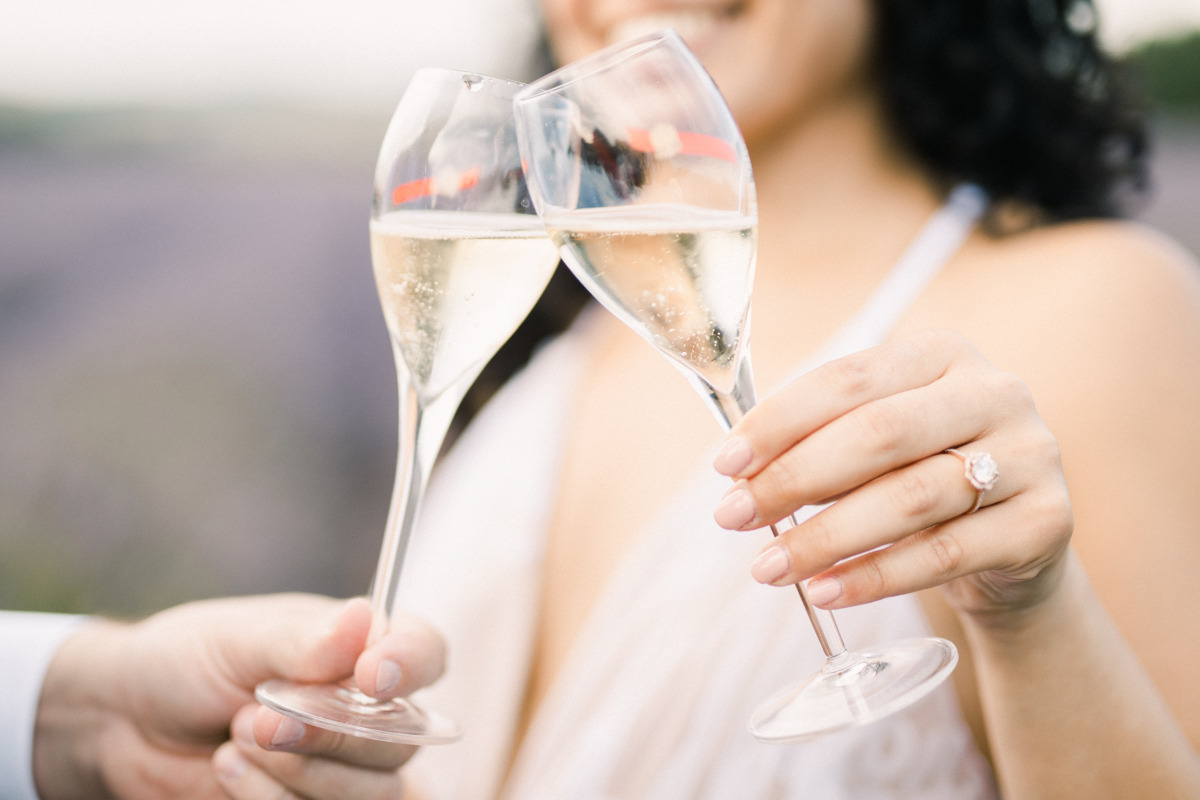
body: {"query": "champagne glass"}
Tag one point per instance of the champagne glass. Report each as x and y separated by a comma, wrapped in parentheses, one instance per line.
(459, 257)
(642, 179)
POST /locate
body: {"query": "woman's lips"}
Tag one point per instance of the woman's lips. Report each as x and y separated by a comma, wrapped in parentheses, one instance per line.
(692, 24)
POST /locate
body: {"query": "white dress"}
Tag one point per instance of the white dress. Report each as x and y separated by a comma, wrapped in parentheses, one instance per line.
(682, 645)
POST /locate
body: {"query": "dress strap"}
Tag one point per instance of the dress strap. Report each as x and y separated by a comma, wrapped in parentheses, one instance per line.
(938, 240)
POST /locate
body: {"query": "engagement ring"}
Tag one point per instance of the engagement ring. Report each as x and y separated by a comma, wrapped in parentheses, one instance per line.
(980, 471)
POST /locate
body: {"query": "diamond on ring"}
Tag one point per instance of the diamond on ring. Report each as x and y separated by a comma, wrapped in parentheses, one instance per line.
(981, 472)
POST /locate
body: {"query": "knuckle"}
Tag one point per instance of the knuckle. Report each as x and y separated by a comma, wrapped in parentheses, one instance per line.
(915, 493)
(779, 485)
(1044, 448)
(819, 548)
(1040, 529)
(872, 579)
(850, 375)
(1010, 383)
(883, 426)
(946, 553)
(1010, 389)
(1049, 514)
(958, 344)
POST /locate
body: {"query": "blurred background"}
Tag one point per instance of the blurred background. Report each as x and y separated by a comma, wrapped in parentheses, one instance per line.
(197, 396)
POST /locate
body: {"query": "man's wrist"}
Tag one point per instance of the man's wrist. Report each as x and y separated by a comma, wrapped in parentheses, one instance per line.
(80, 698)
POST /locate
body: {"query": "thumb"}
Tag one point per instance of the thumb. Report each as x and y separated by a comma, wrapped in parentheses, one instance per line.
(304, 638)
(330, 654)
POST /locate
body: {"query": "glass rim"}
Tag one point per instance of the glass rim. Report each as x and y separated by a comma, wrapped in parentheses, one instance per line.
(603, 59)
(467, 77)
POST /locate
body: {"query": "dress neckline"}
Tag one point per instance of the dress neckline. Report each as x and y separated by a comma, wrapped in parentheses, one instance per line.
(934, 245)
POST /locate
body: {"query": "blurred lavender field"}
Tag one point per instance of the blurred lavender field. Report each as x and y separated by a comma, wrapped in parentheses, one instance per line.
(196, 390)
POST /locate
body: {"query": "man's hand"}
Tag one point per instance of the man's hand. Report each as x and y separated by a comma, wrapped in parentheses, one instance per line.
(164, 708)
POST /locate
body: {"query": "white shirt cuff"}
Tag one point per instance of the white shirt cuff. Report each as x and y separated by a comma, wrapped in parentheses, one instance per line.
(28, 642)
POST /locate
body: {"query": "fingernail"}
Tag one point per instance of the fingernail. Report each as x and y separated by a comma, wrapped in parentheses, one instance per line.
(734, 456)
(771, 564)
(735, 509)
(288, 733)
(823, 591)
(387, 676)
(229, 763)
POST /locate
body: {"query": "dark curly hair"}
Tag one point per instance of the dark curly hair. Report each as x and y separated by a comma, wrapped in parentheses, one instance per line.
(1014, 95)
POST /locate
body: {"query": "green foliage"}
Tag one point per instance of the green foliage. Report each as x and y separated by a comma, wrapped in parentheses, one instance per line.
(1170, 69)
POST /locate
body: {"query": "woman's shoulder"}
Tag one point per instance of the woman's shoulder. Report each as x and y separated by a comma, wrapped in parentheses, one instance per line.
(1107, 281)
(1103, 253)
(1089, 313)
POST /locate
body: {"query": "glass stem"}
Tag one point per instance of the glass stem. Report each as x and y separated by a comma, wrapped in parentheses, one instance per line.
(422, 430)
(824, 625)
(729, 408)
(402, 511)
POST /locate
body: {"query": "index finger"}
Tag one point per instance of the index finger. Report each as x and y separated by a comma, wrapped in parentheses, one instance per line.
(408, 656)
(273, 731)
(818, 397)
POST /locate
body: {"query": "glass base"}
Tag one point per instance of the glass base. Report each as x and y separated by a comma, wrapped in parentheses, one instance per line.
(343, 708)
(854, 689)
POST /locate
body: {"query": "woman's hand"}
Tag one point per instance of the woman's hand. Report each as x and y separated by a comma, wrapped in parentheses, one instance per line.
(165, 707)
(870, 432)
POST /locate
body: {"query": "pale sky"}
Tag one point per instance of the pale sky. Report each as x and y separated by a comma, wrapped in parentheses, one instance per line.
(351, 52)
(356, 53)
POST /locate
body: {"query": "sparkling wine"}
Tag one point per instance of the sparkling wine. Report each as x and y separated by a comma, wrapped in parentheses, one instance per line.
(680, 276)
(455, 285)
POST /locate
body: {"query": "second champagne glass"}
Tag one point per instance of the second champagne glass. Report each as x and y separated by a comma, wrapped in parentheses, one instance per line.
(642, 179)
(460, 258)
